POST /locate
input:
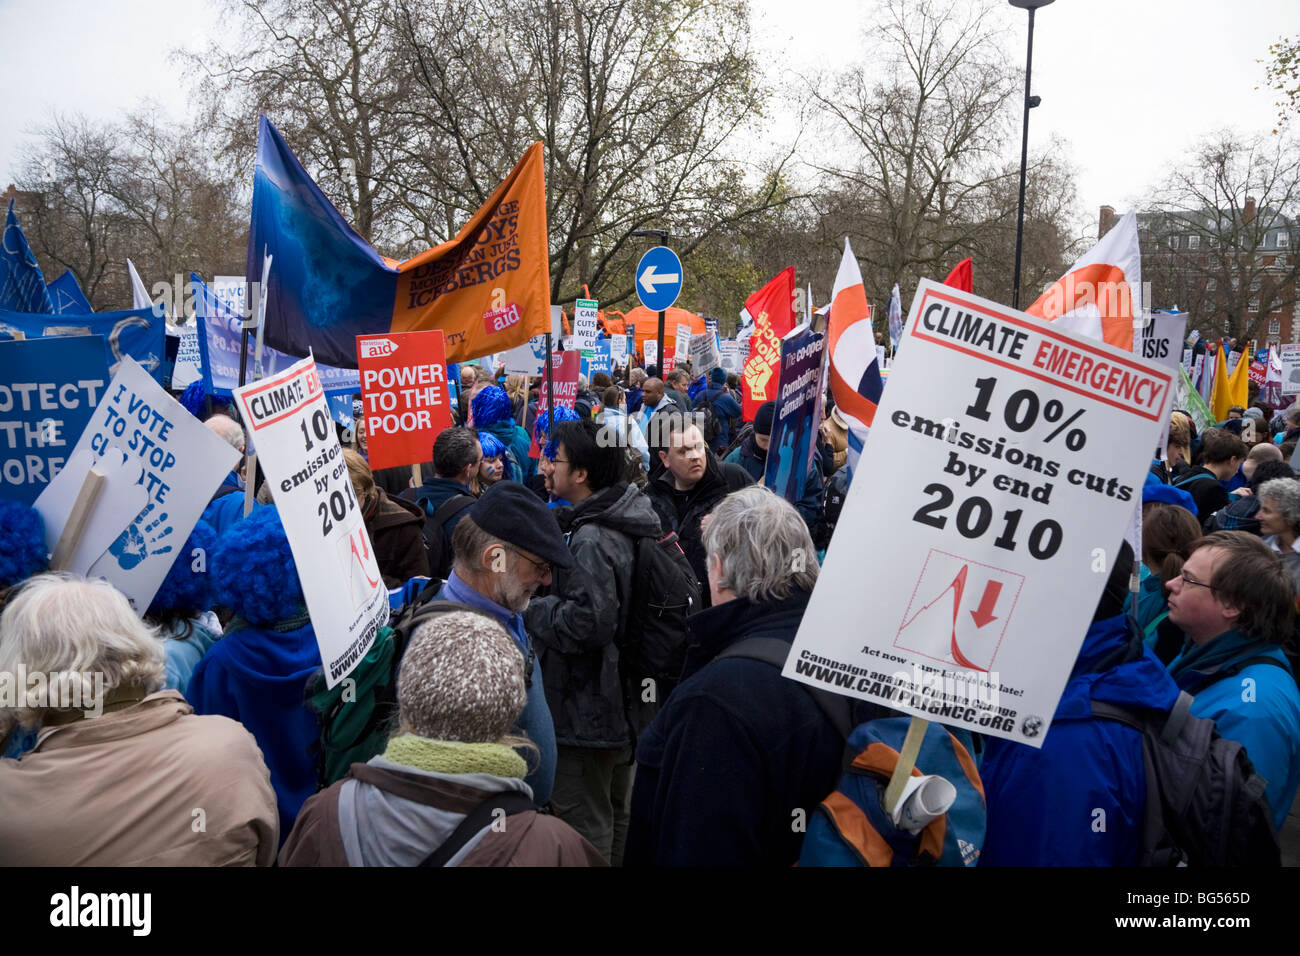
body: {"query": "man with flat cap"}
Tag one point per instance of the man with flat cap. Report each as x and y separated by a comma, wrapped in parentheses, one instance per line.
(504, 549)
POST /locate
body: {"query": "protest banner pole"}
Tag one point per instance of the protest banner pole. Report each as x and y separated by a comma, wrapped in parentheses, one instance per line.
(549, 372)
(906, 761)
(415, 476)
(76, 526)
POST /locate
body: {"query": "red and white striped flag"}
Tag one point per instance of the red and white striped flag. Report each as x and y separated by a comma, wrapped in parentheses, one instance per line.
(854, 371)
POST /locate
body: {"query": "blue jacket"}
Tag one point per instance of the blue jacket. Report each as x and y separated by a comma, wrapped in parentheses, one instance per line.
(1259, 707)
(433, 494)
(734, 751)
(257, 676)
(725, 408)
(1080, 799)
(184, 651)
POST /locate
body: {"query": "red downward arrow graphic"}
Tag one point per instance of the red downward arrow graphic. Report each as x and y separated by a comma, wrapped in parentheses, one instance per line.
(984, 613)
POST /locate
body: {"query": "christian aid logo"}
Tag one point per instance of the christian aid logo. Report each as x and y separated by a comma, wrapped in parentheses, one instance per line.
(378, 348)
(498, 320)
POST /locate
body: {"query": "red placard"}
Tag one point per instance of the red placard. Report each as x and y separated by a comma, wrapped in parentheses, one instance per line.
(404, 391)
(564, 366)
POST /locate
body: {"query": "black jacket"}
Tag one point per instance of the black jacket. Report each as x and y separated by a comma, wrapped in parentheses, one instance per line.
(734, 752)
(578, 626)
(1206, 490)
(720, 479)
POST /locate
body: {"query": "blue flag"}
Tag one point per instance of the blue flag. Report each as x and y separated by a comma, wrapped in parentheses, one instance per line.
(66, 294)
(138, 333)
(22, 287)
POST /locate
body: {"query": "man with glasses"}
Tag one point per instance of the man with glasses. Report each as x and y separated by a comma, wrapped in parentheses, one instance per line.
(1235, 602)
(579, 627)
(505, 546)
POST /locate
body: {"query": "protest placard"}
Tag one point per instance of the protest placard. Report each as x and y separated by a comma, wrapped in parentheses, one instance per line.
(704, 354)
(681, 343)
(1290, 357)
(600, 360)
(48, 392)
(160, 466)
(651, 351)
(985, 514)
(526, 359)
(731, 355)
(404, 394)
(189, 364)
(584, 324)
(298, 449)
(565, 369)
(618, 350)
(795, 426)
(1160, 340)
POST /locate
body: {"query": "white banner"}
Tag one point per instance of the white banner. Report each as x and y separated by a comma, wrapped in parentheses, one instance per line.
(161, 466)
(298, 449)
(1001, 470)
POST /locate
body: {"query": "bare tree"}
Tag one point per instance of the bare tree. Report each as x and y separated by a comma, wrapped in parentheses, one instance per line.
(925, 138)
(1221, 235)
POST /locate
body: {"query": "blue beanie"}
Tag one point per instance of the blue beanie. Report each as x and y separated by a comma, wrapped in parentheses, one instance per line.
(718, 376)
(1168, 495)
(184, 588)
(22, 543)
(253, 572)
(491, 445)
(491, 405)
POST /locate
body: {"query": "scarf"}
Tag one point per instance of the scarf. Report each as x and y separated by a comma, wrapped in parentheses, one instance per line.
(1197, 666)
(452, 756)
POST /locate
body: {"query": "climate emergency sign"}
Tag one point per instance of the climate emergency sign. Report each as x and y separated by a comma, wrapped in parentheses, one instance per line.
(984, 518)
(404, 393)
(298, 448)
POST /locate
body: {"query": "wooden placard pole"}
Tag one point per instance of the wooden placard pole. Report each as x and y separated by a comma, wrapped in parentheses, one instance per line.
(250, 481)
(77, 519)
(906, 761)
(416, 480)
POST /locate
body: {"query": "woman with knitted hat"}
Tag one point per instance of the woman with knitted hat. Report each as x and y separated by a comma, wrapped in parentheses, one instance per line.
(449, 788)
(257, 672)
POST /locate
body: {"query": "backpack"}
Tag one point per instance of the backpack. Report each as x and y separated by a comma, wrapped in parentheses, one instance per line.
(850, 827)
(1205, 803)
(634, 472)
(436, 542)
(664, 593)
(707, 419)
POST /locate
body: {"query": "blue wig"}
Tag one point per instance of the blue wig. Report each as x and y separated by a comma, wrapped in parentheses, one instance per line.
(192, 399)
(491, 445)
(22, 543)
(542, 427)
(491, 405)
(186, 590)
(252, 570)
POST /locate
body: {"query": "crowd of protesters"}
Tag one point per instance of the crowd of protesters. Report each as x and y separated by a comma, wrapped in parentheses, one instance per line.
(517, 680)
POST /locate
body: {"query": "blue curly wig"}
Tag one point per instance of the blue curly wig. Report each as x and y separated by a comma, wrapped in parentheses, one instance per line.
(192, 399)
(22, 543)
(542, 427)
(185, 590)
(491, 445)
(252, 570)
(491, 405)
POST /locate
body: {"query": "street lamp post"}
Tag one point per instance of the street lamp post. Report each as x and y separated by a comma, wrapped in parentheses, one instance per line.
(662, 236)
(1030, 103)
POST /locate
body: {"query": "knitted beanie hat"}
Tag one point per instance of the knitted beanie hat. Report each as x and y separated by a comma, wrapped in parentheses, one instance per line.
(462, 678)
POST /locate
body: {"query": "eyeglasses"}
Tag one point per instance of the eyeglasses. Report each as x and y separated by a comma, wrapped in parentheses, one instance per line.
(542, 567)
(1188, 579)
(559, 461)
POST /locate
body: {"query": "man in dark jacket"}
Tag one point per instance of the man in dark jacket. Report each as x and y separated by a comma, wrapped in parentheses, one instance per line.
(691, 483)
(738, 751)
(725, 408)
(456, 457)
(752, 456)
(677, 384)
(578, 628)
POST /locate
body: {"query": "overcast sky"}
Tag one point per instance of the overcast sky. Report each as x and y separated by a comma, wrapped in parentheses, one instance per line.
(1130, 85)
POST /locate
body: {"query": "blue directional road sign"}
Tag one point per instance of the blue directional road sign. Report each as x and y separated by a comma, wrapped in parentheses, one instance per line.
(658, 278)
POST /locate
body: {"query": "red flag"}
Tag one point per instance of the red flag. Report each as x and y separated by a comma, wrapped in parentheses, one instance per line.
(962, 276)
(772, 309)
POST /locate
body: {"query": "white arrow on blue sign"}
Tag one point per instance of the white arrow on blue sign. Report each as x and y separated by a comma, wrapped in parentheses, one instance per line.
(658, 278)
